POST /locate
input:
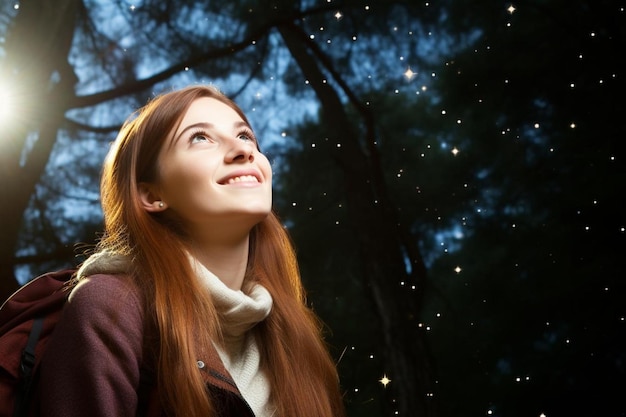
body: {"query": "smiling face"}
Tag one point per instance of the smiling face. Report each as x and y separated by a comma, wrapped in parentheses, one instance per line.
(211, 172)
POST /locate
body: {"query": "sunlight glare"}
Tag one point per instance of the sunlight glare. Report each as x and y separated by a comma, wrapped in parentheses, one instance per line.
(6, 103)
(13, 107)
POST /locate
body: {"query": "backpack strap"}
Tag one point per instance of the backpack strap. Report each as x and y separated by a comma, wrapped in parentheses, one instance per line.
(27, 364)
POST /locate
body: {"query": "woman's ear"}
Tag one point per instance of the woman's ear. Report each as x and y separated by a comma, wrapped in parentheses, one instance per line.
(150, 200)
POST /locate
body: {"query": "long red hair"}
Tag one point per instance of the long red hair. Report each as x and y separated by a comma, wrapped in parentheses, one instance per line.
(302, 374)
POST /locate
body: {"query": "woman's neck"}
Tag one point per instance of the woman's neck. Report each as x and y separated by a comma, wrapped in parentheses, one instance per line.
(227, 260)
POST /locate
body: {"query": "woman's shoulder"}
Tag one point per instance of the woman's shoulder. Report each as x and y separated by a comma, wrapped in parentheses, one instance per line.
(93, 361)
(109, 292)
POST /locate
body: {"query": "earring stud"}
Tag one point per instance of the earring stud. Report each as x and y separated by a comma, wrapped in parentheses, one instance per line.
(161, 205)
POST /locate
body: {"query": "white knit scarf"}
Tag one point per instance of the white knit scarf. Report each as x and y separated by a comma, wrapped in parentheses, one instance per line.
(240, 311)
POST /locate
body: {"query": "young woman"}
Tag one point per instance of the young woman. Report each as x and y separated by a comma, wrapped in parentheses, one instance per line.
(192, 304)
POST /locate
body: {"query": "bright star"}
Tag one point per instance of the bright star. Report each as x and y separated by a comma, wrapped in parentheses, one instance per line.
(384, 380)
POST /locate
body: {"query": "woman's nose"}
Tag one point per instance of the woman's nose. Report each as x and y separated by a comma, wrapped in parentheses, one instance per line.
(240, 151)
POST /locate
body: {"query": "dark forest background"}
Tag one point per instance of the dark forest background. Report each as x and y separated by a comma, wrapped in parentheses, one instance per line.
(452, 173)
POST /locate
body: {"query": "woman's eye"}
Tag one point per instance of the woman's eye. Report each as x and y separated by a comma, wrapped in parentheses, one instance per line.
(199, 137)
(246, 137)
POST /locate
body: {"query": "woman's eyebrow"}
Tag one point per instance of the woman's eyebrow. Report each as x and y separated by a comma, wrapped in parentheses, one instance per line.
(241, 123)
(204, 125)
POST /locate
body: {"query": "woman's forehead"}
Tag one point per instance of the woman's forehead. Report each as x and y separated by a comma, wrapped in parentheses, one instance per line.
(207, 113)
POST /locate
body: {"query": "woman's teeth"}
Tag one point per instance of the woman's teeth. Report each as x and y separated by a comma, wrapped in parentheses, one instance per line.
(243, 178)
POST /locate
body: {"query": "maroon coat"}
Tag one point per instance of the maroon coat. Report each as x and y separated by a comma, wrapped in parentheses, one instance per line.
(100, 362)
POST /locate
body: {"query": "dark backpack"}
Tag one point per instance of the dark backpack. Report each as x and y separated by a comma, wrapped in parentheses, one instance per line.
(27, 319)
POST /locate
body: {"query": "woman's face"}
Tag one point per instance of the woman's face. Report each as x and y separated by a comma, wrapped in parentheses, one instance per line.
(212, 172)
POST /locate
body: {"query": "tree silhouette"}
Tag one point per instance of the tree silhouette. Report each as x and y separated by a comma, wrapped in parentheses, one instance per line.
(107, 63)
